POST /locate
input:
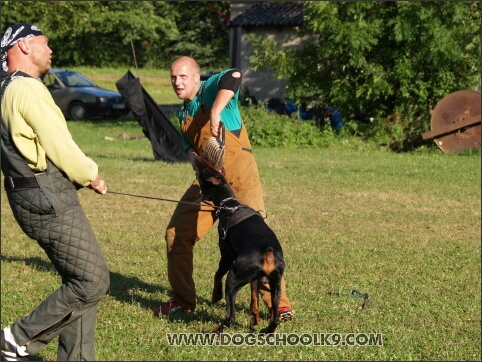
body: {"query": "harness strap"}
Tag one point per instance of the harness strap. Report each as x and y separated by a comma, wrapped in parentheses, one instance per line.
(237, 214)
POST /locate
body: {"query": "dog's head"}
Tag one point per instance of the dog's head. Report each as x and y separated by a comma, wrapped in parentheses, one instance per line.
(209, 178)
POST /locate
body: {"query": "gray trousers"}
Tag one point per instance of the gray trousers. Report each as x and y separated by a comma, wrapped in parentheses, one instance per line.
(53, 216)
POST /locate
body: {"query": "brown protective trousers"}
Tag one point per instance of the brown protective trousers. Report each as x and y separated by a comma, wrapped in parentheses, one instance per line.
(189, 223)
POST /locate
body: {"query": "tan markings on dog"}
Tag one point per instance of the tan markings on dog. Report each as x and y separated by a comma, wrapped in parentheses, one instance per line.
(268, 263)
(214, 180)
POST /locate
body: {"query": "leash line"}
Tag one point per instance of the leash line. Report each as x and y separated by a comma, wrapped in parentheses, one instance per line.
(202, 203)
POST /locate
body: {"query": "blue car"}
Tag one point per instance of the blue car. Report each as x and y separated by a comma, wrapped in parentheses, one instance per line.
(79, 98)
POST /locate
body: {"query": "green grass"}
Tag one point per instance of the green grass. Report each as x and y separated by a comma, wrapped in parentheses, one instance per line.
(155, 81)
(404, 228)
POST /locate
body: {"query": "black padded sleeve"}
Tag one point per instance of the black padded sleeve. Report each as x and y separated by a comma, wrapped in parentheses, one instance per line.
(229, 82)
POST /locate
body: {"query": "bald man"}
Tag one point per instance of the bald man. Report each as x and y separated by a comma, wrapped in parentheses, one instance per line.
(207, 105)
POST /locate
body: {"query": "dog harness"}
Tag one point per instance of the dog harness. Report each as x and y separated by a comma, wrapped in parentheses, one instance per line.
(232, 216)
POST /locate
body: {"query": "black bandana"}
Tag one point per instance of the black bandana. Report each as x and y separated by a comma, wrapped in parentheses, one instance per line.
(13, 35)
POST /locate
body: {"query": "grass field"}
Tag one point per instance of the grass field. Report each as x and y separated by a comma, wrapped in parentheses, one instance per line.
(404, 228)
(155, 81)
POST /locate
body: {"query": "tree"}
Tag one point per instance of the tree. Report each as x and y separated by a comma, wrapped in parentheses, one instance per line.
(103, 33)
(394, 60)
(203, 30)
(96, 33)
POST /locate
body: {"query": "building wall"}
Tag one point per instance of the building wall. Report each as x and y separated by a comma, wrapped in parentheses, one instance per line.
(262, 85)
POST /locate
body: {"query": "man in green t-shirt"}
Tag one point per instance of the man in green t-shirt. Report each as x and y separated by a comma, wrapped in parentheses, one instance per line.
(207, 104)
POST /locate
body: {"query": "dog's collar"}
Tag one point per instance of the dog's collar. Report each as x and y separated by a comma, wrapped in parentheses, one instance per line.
(226, 200)
(229, 210)
(235, 216)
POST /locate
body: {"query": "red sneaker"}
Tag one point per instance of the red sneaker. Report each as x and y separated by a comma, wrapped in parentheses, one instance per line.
(285, 314)
(170, 306)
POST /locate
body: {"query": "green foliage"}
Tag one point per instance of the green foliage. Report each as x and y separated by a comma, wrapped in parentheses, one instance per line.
(203, 34)
(392, 60)
(120, 33)
(269, 129)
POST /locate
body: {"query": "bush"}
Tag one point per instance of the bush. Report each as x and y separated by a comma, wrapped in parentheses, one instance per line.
(269, 129)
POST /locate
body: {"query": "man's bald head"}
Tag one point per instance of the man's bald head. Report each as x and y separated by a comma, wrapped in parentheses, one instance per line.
(185, 77)
(188, 62)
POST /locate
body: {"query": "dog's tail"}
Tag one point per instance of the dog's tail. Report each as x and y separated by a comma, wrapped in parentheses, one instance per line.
(269, 261)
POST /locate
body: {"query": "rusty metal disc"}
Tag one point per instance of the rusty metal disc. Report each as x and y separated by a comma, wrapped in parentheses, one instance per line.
(459, 114)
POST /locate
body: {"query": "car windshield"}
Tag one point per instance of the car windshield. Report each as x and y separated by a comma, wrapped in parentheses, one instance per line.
(74, 79)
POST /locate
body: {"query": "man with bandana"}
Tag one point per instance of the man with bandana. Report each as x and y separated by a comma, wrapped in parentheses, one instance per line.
(43, 168)
(210, 110)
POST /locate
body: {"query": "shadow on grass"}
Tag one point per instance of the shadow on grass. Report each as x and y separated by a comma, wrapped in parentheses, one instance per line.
(208, 313)
(35, 263)
(125, 289)
(204, 312)
(122, 288)
(131, 289)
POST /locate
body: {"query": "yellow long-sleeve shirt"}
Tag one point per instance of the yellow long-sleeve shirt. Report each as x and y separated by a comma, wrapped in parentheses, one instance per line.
(39, 130)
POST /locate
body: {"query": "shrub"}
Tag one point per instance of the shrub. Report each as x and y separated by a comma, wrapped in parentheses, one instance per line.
(269, 129)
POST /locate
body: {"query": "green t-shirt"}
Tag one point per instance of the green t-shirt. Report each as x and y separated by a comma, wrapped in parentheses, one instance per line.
(230, 116)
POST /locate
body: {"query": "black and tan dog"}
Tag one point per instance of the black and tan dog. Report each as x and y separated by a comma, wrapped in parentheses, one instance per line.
(249, 249)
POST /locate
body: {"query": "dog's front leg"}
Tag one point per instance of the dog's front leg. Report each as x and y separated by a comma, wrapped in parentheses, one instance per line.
(254, 317)
(232, 287)
(226, 261)
(217, 288)
(224, 265)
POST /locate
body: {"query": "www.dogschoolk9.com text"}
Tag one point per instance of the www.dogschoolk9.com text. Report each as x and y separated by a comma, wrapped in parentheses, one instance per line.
(276, 339)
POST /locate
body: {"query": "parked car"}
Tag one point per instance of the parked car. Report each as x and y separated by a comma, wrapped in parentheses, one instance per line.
(79, 98)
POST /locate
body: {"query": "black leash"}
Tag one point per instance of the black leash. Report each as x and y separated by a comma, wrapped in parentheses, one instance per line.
(162, 199)
(201, 203)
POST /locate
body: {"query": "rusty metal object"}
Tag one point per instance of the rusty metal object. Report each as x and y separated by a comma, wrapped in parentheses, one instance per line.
(455, 122)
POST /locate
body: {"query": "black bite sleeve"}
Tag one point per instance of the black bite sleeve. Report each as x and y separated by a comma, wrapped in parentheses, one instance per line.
(228, 81)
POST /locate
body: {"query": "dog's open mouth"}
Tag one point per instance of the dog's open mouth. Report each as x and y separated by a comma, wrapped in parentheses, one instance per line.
(201, 163)
(205, 172)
